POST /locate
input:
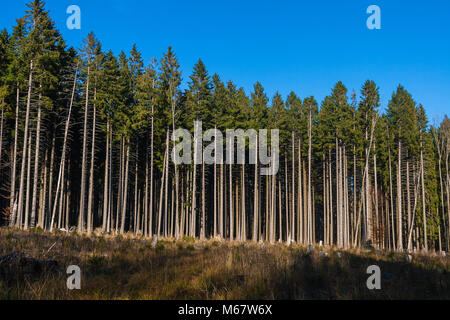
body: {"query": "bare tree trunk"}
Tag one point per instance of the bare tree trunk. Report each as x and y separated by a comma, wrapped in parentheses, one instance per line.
(287, 200)
(27, 196)
(215, 182)
(399, 198)
(330, 191)
(425, 236)
(441, 187)
(292, 233)
(145, 227)
(256, 217)
(194, 193)
(151, 176)
(36, 165)
(243, 213)
(273, 203)
(299, 194)
(125, 189)
(310, 213)
(231, 201)
(158, 232)
(91, 172)
(408, 201)
(121, 185)
(392, 201)
(166, 193)
(203, 226)
(448, 194)
(110, 184)
(280, 205)
(12, 199)
(1, 132)
(43, 198)
(355, 184)
(68, 194)
(24, 152)
(136, 214)
(325, 201)
(106, 199)
(83, 159)
(222, 202)
(63, 156)
(376, 196)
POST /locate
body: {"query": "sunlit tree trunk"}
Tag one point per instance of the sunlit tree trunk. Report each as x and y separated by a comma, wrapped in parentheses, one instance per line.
(90, 217)
(36, 164)
(12, 199)
(83, 159)
(106, 198)
(63, 156)
(399, 198)
(24, 152)
(125, 189)
(424, 212)
(28, 191)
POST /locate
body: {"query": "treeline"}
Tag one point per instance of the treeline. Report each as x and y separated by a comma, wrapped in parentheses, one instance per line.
(86, 142)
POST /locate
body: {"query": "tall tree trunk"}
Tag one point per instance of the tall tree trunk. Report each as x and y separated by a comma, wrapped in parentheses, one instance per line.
(136, 187)
(355, 184)
(161, 193)
(24, 150)
(376, 197)
(83, 159)
(91, 173)
(43, 198)
(222, 202)
(13, 197)
(243, 213)
(27, 196)
(448, 194)
(424, 212)
(90, 217)
(299, 194)
(256, 217)
(231, 200)
(63, 156)
(194, 193)
(106, 198)
(391, 191)
(151, 176)
(280, 207)
(1, 132)
(50, 183)
(145, 227)
(36, 164)
(310, 213)
(399, 198)
(125, 190)
(408, 201)
(215, 183)
(203, 226)
(292, 233)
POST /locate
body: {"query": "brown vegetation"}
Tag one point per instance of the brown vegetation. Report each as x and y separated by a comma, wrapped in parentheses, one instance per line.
(134, 268)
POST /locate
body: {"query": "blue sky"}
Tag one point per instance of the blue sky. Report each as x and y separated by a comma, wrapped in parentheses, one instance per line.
(300, 46)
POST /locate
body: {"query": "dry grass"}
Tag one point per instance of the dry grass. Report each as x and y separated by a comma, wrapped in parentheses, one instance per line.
(129, 268)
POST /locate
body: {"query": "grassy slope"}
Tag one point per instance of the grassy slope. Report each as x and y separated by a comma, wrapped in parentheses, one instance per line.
(126, 268)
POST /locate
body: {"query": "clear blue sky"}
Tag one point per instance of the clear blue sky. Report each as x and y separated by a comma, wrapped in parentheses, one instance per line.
(303, 46)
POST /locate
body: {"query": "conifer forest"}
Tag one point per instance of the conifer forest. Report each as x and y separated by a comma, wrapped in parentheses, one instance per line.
(86, 145)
